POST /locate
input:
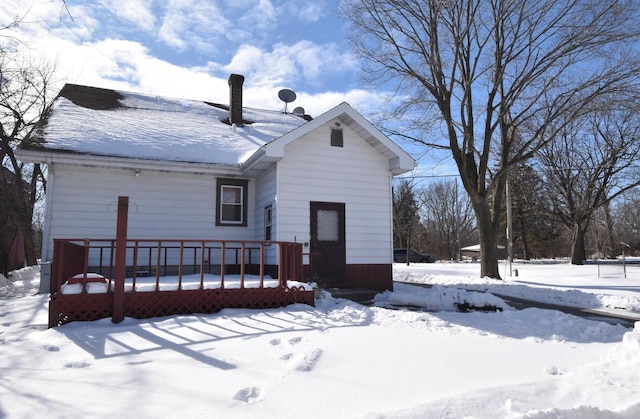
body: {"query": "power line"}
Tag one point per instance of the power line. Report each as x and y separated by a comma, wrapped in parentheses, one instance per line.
(425, 176)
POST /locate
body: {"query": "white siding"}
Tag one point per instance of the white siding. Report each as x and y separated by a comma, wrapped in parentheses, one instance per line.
(266, 195)
(356, 174)
(161, 205)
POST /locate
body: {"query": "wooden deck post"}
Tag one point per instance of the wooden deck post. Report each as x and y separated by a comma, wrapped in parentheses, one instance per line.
(121, 259)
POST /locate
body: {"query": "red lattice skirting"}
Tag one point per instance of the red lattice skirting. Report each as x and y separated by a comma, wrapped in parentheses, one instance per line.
(65, 308)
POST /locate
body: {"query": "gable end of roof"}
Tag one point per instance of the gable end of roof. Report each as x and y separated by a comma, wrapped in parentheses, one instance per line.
(399, 160)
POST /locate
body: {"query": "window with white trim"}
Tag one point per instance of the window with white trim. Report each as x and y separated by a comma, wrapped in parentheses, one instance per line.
(231, 198)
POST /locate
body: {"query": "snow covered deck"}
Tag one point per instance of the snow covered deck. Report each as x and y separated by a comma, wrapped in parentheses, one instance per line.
(97, 284)
(167, 277)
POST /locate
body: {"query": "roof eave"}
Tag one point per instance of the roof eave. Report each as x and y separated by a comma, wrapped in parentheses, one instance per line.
(398, 166)
(90, 160)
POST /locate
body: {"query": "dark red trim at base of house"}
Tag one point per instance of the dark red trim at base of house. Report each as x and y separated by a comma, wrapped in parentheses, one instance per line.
(376, 277)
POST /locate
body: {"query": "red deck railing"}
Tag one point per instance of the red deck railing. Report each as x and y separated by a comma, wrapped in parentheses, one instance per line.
(166, 277)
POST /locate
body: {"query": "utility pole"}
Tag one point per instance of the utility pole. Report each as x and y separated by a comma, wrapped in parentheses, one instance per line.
(457, 211)
(509, 230)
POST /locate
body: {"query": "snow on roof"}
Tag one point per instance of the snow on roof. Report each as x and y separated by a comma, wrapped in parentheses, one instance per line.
(112, 123)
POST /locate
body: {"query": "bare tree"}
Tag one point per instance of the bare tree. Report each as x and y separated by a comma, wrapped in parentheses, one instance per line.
(536, 232)
(447, 216)
(599, 238)
(24, 96)
(25, 93)
(405, 215)
(588, 166)
(498, 74)
(627, 222)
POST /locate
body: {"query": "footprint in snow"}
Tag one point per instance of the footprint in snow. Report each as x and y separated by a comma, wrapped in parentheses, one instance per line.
(274, 342)
(294, 341)
(37, 326)
(249, 395)
(134, 363)
(309, 361)
(81, 364)
(322, 328)
(286, 357)
(552, 370)
(51, 348)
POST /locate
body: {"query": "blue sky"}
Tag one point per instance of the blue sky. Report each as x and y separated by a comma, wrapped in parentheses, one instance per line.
(188, 48)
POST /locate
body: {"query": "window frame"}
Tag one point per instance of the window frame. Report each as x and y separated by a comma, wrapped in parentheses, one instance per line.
(241, 184)
(268, 222)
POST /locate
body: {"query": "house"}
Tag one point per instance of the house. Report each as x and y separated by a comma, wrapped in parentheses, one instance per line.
(474, 252)
(200, 170)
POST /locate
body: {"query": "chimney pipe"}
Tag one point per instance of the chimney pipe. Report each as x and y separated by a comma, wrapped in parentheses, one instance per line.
(235, 99)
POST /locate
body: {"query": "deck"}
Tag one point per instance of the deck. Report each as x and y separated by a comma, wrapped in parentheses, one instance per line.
(93, 279)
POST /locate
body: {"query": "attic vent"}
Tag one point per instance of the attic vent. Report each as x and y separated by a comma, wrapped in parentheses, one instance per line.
(337, 139)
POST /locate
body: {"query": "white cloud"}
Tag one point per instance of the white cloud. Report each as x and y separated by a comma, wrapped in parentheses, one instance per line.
(171, 31)
(138, 12)
(130, 65)
(364, 101)
(266, 8)
(303, 61)
(81, 28)
(28, 11)
(43, 19)
(127, 65)
(310, 11)
(192, 24)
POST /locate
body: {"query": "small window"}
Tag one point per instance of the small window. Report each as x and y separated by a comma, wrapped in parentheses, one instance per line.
(231, 198)
(328, 225)
(337, 139)
(268, 216)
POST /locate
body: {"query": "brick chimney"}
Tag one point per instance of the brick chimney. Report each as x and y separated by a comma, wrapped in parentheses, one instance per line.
(235, 99)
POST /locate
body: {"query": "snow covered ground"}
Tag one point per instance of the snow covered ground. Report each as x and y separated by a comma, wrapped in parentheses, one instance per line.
(339, 359)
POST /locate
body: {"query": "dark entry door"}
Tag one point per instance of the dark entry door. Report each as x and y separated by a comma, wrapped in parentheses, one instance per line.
(328, 250)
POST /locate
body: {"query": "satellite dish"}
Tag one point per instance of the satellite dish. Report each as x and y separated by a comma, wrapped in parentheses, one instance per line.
(299, 110)
(287, 96)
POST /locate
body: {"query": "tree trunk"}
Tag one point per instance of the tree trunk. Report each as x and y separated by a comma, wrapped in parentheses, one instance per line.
(5, 245)
(488, 242)
(578, 252)
(26, 227)
(26, 216)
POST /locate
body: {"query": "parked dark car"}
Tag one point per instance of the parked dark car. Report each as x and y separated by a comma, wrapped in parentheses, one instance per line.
(400, 255)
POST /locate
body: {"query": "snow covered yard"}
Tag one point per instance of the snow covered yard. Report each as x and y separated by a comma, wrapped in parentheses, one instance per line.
(339, 359)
